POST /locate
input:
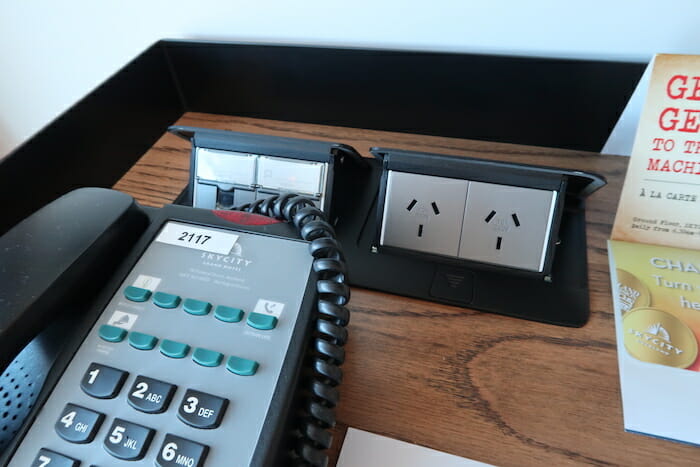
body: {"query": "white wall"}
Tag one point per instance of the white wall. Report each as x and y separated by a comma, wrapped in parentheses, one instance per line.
(54, 52)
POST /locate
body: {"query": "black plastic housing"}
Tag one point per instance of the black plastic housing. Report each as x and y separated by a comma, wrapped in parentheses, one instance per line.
(70, 245)
(291, 148)
(557, 296)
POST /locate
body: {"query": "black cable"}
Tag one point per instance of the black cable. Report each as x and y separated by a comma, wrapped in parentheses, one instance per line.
(333, 316)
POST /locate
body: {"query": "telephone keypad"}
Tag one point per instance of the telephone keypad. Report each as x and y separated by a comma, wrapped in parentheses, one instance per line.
(102, 382)
(127, 441)
(48, 458)
(201, 410)
(150, 395)
(77, 424)
(177, 451)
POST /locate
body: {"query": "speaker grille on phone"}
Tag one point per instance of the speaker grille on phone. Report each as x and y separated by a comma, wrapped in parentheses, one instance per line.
(17, 397)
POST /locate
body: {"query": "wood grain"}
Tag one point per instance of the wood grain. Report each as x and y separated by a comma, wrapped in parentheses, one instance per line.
(499, 390)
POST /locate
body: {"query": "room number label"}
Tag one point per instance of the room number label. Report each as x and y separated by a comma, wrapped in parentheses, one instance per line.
(198, 238)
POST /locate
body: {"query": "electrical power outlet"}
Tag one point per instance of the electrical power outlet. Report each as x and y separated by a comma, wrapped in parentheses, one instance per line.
(515, 215)
(423, 213)
(507, 226)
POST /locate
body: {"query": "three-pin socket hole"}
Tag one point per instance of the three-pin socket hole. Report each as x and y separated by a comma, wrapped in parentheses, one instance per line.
(433, 205)
(499, 239)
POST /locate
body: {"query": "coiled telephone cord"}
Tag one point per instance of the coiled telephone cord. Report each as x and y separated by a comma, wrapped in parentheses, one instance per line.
(333, 316)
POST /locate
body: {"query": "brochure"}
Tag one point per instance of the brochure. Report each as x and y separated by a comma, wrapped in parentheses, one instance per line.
(654, 258)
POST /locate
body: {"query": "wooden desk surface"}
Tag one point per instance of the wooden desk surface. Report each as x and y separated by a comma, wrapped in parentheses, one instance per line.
(491, 388)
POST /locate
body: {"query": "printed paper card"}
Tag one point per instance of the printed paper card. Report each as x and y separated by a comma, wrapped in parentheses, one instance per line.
(660, 202)
(658, 293)
(657, 320)
(654, 258)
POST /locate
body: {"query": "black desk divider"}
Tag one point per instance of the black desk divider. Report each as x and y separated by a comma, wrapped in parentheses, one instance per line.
(547, 102)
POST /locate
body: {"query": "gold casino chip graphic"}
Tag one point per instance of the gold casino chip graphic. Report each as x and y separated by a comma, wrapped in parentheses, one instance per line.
(631, 292)
(656, 336)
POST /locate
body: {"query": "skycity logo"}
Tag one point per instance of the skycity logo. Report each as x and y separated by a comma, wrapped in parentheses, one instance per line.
(235, 258)
(657, 338)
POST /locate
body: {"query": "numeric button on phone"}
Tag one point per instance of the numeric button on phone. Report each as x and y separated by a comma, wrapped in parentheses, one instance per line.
(202, 410)
(177, 451)
(150, 395)
(78, 424)
(48, 458)
(103, 382)
(127, 441)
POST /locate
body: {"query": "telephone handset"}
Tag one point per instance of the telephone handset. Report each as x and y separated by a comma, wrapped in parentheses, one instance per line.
(193, 351)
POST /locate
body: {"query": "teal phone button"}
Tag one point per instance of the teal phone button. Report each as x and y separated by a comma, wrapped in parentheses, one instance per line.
(174, 349)
(228, 314)
(262, 322)
(206, 357)
(112, 333)
(166, 300)
(241, 366)
(137, 294)
(196, 307)
(141, 341)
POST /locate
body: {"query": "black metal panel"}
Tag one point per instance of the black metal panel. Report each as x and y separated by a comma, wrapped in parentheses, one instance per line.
(94, 142)
(546, 102)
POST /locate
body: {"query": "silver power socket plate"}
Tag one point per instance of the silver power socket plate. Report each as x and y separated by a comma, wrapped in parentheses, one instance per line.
(423, 213)
(507, 225)
(485, 222)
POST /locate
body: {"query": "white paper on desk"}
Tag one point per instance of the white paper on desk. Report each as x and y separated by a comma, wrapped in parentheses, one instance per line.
(363, 449)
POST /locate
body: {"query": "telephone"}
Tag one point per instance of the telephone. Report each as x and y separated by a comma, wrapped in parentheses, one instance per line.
(203, 336)
(194, 343)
